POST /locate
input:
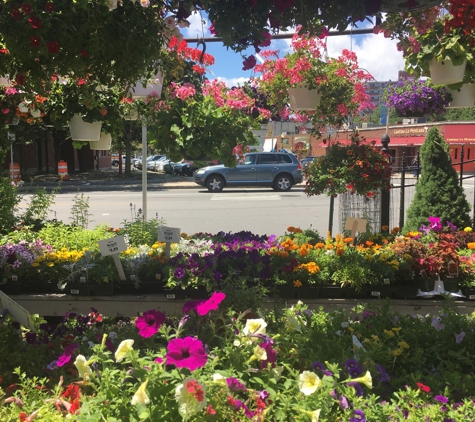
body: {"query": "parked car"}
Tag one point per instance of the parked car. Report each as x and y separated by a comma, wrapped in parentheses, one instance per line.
(183, 168)
(307, 161)
(115, 160)
(278, 170)
(138, 164)
(160, 165)
(153, 164)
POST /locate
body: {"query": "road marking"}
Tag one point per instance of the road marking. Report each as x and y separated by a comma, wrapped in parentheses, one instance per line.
(246, 197)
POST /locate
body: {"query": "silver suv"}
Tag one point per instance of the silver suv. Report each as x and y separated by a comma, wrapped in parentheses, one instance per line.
(280, 171)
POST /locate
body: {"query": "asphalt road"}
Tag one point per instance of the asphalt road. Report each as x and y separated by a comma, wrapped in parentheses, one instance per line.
(261, 211)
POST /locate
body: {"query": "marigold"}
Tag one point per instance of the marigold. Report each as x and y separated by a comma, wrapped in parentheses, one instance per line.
(467, 229)
(471, 245)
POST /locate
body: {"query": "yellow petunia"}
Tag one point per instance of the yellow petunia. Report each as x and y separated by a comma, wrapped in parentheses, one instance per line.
(309, 382)
(397, 352)
(389, 333)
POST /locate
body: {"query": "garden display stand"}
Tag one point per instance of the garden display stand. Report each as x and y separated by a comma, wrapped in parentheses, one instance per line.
(439, 289)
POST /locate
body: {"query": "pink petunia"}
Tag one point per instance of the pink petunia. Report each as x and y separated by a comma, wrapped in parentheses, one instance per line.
(211, 304)
(149, 322)
(186, 352)
(66, 356)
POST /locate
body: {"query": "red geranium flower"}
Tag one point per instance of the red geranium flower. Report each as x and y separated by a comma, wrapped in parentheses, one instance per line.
(16, 12)
(35, 41)
(3, 51)
(423, 387)
(53, 47)
(84, 53)
(35, 22)
(26, 8)
(49, 7)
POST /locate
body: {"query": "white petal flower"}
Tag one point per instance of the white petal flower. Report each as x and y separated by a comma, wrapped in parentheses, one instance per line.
(122, 350)
(255, 326)
(219, 379)
(309, 382)
(293, 323)
(140, 397)
(82, 366)
(191, 397)
(260, 353)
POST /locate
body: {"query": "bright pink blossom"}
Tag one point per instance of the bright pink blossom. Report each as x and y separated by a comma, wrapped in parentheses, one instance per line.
(150, 322)
(211, 304)
(186, 352)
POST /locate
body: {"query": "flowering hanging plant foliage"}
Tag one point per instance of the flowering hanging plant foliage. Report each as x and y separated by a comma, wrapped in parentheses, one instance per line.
(15, 104)
(114, 41)
(356, 168)
(414, 96)
(339, 81)
(428, 34)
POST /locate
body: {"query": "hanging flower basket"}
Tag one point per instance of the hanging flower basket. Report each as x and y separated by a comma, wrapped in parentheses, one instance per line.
(463, 97)
(302, 98)
(103, 144)
(445, 73)
(153, 87)
(83, 131)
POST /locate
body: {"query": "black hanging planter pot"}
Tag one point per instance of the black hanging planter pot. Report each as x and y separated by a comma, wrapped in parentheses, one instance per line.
(451, 284)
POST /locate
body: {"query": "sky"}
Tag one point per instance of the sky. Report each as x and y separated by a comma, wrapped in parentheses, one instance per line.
(376, 54)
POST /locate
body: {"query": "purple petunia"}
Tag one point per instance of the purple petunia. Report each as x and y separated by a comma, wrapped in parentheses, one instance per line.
(149, 323)
(358, 416)
(383, 375)
(66, 356)
(459, 337)
(318, 366)
(179, 272)
(441, 399)
(235, 385)
(358, 388)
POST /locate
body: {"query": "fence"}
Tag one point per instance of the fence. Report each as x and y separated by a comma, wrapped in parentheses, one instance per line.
(403, 182)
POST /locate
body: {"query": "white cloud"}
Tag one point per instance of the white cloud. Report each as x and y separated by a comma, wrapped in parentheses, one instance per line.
(233, 81)
(198, 25)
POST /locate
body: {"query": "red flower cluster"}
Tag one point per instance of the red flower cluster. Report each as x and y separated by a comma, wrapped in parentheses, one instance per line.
(463, 16)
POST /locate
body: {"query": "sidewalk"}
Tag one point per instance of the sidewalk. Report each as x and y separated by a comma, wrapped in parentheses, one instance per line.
(110, 180)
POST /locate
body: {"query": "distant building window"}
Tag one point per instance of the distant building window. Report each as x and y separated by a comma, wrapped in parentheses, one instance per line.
(468, 153)
(456, 153)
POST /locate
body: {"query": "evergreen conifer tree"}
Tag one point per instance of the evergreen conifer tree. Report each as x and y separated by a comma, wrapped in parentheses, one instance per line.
(438, 192)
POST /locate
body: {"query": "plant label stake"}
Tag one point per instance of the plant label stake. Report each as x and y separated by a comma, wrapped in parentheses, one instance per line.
(168, 235)
(114, 246)
(355, 224)
(21, 315)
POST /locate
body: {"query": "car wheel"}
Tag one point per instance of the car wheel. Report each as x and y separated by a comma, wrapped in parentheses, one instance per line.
(283, 183)
(215, 183)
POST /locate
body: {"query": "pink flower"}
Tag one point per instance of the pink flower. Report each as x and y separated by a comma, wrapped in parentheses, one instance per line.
(66, 356)
(149, 322)
(459, 337)
(267, 39)
(211, 304)
(186, 352)
(249, 63)
(35, 41)
(158, 359)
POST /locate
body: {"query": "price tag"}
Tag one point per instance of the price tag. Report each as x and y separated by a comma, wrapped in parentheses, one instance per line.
(169, 234)
(170, 296)
(74, 291)
(376, 294)
(112, 246)
(471, 297)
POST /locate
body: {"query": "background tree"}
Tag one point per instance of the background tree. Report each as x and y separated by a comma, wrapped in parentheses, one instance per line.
(438, 192)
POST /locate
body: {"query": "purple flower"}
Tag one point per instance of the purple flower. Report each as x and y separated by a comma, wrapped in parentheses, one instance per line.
(437, 324)
(191, 305)
(343, 403)
(238, 404)
(383, 375)
(66, 356)
(358, 416)
(211, 304)
(459, 337)
(271, 355)
(149, 323)
(327, 373)
(358, 388)
(179, 272)
(235, 385)
(318, 366)
(435, 224)
(186, 352)
(441, 399)
(451, 226)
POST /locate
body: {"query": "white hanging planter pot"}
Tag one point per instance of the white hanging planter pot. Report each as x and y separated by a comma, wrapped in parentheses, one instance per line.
(302, 98)
(82, 131)
(104, 143)
(153, 87)
(445, 73)
(5, 81)
(462, 98)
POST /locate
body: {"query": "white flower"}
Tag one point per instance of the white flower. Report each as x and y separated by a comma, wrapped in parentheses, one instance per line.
(144, 3)
(345, 324)
(191, 397)
(277, 371)
(219, 379)
(82, 366)
(309, 382)
(23, 106)
(293, 323)
(122, 350)
(255, 326)
(35, 113)
(315, 415)
(260, 353)
(236, 343)
(140, 397)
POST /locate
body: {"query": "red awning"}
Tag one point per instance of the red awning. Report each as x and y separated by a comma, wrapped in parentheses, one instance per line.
(395, 142)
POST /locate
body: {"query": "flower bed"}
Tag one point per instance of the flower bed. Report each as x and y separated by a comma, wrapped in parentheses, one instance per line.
(297, 263)
(216, 361)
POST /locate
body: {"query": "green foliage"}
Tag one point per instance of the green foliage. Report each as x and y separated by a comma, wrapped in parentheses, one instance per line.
(8, 205)
(80, 211)
(438, 192)
(140, 232)
(38, 208)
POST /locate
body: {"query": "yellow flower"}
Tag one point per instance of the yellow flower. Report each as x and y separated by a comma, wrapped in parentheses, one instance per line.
(403, 344)
(309, 382)
(365, 379)
(297, 283)
(350, 329)
(259, 353)
(397, 352)
(82, 366)
(50, 264)
(389, 333)
(467, 229)
(397, 329)
(140, 397)
(374, 337)
(122, 350)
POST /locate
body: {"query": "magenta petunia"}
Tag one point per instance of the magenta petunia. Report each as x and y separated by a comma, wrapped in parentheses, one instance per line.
(211, 304)
(66, 356)
(186, 352)
(191, 305)
(149, 323)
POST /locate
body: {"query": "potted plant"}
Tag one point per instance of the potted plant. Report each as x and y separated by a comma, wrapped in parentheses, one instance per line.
(42, 38)
(356, 168)
(334, 87)
(416, 98)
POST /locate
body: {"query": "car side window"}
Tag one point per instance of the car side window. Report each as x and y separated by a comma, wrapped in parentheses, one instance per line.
(267, 159)
(284, 159)
(250, 159)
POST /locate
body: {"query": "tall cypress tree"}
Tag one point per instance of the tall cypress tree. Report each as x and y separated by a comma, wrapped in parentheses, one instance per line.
(438, 192)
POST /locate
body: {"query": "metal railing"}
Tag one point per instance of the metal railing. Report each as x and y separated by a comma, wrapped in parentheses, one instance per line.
(404, 179)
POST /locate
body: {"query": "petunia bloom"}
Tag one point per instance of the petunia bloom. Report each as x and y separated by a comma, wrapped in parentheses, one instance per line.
(191, 397)
(149, 322)
(186, 352)
(122, 350)
(365, 379)
(66, 356)
(309, 382)
(140, 397)
(255, 326)
(358, 416)
(82, 366)
(211, 304)
(459, 337)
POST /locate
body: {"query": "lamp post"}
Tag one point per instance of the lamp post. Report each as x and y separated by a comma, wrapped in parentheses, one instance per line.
(385, 195)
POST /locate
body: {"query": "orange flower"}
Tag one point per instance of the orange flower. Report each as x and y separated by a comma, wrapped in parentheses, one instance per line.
(303, 251)
(471, 245)
(320, 245)
(340, 252)
(348, 239)
(297, 283)
(385, 228)
(368, 243)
